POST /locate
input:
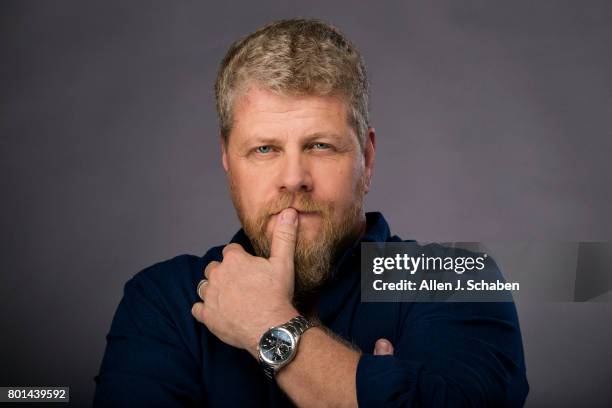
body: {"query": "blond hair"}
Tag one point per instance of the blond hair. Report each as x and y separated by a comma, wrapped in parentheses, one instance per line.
(295, 57)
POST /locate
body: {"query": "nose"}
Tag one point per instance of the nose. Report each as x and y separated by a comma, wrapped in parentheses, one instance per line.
(295, 175)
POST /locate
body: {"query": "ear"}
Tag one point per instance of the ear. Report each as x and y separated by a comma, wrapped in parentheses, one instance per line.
(223, 152)
(369, 152)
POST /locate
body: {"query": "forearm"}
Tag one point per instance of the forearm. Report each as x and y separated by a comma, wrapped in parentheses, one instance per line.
(322, 372)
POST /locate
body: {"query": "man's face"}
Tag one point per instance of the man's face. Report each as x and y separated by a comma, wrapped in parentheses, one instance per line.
(300, 152)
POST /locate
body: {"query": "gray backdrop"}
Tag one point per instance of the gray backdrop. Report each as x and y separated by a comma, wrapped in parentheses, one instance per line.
(493, 123)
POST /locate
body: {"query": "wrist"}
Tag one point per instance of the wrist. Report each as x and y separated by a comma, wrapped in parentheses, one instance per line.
(279, 345)
(277, 318)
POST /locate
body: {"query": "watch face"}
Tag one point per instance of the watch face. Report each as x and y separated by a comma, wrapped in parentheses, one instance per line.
(276, 346)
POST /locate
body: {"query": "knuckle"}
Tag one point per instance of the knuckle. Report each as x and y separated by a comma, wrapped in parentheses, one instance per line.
(197, 313)
(232, 255)
(229, 255)
(230, 248)
(286, 236)
(210, 269)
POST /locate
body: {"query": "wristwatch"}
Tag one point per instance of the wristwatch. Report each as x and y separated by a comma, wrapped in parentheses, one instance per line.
(278, 346)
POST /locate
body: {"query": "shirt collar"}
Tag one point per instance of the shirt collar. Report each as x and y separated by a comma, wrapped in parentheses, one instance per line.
(377, 229)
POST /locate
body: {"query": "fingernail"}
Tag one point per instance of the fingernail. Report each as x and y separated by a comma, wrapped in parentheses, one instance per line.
(384, 346)
(289, 216)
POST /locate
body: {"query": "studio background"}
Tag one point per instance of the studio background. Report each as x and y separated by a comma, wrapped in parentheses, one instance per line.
(492, 121)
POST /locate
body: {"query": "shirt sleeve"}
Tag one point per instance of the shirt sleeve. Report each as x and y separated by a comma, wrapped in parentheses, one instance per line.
(449, 355)
(146, 361)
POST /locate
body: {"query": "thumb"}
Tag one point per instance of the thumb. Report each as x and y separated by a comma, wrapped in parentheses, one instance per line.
(383, 347)
(284, 236)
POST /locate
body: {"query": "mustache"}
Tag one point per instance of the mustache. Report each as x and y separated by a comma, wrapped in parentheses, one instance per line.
(302, 203)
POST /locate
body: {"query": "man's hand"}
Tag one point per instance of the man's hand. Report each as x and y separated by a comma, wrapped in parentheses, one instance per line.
(246, 295)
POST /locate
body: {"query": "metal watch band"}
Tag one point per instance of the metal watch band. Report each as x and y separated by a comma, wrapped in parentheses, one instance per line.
(297, 326)
(267, 369)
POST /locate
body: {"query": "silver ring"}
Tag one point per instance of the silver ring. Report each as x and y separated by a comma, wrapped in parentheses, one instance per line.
(202, 283)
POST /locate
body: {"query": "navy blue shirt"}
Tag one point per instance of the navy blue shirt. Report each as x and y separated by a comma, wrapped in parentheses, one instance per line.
(446, 354)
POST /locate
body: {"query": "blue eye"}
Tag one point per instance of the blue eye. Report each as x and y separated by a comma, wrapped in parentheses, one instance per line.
(320, 146)
(264, 149)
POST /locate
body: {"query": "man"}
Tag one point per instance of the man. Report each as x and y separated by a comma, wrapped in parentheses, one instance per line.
(298, 152)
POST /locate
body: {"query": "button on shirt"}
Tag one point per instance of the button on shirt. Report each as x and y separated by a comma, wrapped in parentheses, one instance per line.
(445, 354)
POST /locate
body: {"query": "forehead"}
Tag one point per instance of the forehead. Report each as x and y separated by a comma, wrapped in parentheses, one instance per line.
(260, 110)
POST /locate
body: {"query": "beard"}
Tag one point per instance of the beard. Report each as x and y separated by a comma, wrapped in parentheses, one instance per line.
(313, 259)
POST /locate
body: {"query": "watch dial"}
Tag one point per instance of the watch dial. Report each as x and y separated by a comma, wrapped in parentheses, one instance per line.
(276, 345)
